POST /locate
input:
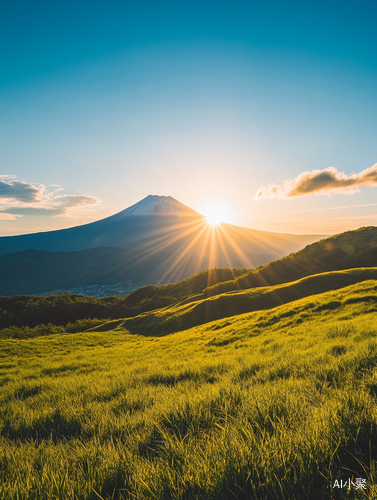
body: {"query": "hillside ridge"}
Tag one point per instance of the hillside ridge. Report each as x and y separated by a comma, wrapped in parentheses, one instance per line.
(198, 311)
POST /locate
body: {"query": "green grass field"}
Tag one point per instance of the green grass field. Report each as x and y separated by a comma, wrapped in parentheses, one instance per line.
(271, 404)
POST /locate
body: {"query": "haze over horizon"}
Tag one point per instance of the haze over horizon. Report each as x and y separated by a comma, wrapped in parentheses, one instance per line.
(261, 113)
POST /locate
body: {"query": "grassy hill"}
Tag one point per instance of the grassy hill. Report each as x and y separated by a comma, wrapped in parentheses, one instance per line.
(192, 312)
(273, 404)
(75, 313)
(344, 251)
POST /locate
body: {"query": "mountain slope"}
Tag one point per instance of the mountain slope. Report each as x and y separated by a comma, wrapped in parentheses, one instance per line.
(347, 250)
(40, 271)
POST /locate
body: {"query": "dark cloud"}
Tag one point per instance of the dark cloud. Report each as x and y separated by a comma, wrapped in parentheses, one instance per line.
(21, 198)
(18, 190)
(329, 180)
(58, 207)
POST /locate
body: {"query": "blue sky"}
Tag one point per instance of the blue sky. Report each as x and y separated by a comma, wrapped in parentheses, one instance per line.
(103, 103)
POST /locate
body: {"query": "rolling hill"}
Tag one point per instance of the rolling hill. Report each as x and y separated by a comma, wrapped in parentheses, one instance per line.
(348, 250)
(193, 312)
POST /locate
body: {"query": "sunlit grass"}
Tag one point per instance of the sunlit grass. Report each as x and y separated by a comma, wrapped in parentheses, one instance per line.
(265, 405)
(197, 310)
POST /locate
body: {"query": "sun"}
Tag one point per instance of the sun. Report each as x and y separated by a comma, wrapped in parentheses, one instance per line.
(213, 220)
(215, 213)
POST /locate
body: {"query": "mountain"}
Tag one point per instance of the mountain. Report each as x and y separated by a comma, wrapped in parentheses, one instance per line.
(158, 239)
(161, 223)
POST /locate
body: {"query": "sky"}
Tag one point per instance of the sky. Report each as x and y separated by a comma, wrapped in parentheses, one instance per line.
(262, 111)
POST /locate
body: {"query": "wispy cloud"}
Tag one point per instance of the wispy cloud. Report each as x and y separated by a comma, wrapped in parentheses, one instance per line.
(319, 182)
(76, 201)
(19, 198)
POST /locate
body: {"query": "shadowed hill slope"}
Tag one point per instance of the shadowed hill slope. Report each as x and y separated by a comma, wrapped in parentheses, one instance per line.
(348, 250)
(23, 310)
(197, 312)
(353, 249)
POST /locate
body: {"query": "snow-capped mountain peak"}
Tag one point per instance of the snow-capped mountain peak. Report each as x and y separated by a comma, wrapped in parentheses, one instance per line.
(156, 205)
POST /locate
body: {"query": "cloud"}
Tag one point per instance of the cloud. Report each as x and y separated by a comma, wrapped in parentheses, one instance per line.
(320, 182)
(8, 216)
(18, 199)
(77, 201)
(18, 190)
